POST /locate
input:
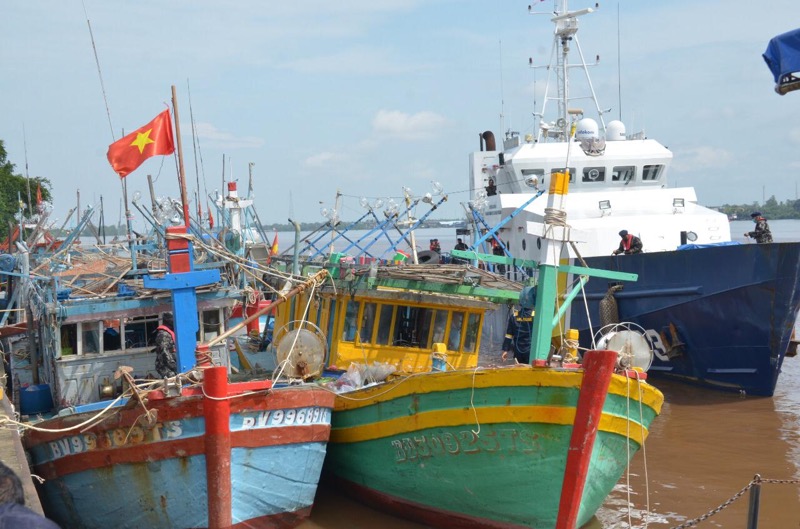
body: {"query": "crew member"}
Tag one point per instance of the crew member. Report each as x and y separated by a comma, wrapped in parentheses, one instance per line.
(629, 244)
(166, 361)
(460, 245)
(518, 335)
(761, 233)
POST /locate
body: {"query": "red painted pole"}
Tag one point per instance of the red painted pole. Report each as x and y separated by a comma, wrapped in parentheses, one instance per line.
(598, 366)
(249, 310)
(218, 447)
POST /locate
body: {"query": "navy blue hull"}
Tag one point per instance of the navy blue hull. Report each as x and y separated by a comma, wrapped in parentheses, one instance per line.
(719, 316)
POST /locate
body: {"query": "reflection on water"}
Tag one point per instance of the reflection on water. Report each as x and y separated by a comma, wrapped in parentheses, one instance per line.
(704, 448)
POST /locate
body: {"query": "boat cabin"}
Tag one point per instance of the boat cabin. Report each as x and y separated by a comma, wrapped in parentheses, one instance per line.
(398, 327)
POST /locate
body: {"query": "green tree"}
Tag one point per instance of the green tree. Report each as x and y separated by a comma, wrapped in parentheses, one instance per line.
(14, 187)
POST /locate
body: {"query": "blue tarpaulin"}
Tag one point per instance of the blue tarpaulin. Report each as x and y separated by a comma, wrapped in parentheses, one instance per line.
(783, 58)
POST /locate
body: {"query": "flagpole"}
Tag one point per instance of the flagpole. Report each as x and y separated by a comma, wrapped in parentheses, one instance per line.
(128, 224)
(181, 175)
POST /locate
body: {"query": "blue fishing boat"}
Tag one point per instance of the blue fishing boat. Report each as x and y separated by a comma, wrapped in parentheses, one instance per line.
(208, 447)
(716, 312)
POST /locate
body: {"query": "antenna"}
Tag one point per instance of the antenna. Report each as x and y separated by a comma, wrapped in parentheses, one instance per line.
(502, 92)
(27, 177)
(619, 67)
(99, 73)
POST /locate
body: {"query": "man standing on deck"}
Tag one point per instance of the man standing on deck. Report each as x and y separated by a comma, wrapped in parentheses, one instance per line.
(629, 244)
(518, 335)
(761, 233)
(166, 361)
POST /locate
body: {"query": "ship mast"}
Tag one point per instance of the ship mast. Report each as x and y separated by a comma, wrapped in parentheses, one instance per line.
(565, 33)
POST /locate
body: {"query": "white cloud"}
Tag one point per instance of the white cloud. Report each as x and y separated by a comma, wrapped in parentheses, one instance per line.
(419, 126)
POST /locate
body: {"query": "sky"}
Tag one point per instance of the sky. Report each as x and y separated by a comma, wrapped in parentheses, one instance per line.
(367, 97)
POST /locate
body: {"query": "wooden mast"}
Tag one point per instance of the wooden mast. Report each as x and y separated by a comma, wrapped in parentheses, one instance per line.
(181, 173)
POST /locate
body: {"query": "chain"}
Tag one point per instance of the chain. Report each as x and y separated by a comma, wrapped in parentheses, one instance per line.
(756, 480)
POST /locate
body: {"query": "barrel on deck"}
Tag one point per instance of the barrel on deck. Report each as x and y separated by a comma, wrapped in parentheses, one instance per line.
(35, 398)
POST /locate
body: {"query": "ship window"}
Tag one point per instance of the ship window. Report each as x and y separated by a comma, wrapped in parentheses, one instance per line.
(210, 325)
(385, 324)
(69, 341)
(440, 327)
(562, 169)
(332, 316)
(90, 337)
(424, 327)
(367, 323)
(652, 172)
(594, 174)
(139, 331)
(471, 338)
(410, 326)
(111, 336)
(454, 338)
(623, 173)
(350, 325)
(533, 177)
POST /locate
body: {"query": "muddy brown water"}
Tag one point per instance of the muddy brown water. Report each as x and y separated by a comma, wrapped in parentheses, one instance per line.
(703, 449)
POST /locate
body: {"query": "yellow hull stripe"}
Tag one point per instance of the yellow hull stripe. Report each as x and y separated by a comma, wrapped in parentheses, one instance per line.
(512, 376)
(490, 415)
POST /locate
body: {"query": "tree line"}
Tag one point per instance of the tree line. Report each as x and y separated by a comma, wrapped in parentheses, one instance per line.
(771, 209)
(18, 192)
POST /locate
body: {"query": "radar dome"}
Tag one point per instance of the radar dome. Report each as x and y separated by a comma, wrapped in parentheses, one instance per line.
(586, 129)
(615, 131)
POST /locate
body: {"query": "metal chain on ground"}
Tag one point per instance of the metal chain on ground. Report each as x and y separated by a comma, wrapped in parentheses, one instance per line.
(756, 480)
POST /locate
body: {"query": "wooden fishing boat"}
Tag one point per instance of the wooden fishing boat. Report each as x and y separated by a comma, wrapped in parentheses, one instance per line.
(446, 441)
(188, 451)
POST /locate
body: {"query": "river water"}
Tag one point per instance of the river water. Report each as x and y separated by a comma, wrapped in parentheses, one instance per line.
(703, 449)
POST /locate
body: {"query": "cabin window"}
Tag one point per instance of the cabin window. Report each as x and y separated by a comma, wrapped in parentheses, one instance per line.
(439, 328)
(471, 337)
(350, 319)
(385, 320)
(367, 323)
(111, 335)
(623, 173)
(69, 339)
(426, 327)
(210, 325)
(406, 329)
(139, 331)
(90, 336)
(454, 338)
(594, 174)
(562, 169)
(332, 316)
(652, 172)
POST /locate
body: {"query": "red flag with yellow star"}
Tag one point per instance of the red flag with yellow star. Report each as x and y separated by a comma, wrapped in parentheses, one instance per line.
(153, 139)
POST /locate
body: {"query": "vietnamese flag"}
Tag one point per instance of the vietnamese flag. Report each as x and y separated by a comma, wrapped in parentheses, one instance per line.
(153, 139)
(274, 249)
